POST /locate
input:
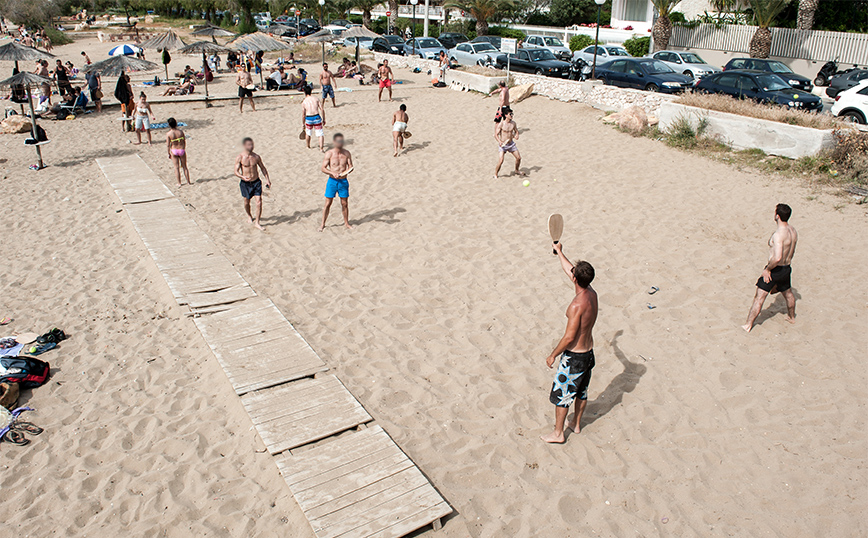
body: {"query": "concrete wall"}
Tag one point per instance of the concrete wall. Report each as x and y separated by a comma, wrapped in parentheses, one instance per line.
(742, 132)
(462, 80)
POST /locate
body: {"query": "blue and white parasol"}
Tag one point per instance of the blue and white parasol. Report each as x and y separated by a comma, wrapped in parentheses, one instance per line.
(124, 50)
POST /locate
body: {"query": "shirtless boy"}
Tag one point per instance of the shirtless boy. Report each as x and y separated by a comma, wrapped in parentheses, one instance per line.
(506, 134)
(247, 167)
(399, 125)
(575, 351)
(312, 117)
(502, 98)
(777, 272)
(243, 80)
(385, 74)
(327, 81)
(336, 165)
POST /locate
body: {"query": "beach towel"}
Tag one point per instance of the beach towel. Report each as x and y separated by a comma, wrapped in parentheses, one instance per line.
(9, 347)
(164, 125)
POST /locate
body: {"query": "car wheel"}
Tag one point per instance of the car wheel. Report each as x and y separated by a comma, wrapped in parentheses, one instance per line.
(652, 88)
(688, 74)
(538, 72)
(853, 115)
(820, 80)
(604, 81)
(421, 56)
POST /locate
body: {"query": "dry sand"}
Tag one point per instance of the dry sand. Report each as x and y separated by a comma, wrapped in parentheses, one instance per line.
(437, 312)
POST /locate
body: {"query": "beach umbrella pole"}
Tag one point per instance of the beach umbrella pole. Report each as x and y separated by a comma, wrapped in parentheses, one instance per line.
(33, 128)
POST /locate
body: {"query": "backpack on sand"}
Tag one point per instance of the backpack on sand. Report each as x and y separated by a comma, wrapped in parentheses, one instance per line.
(26, 371)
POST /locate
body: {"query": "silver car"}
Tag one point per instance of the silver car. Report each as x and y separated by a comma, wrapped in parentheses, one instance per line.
(555, 45)
(686, 63)
(363, 42)
(605, 53)
(474, 54)
(427, 48)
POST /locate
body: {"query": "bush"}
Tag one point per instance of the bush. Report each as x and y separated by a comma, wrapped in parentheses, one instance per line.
(752, 109)
(580, 41)
(57, 37)
(638, 46)
(538, 18)
(677, 17)
(503, 31)
(681, 133)
(850, 155)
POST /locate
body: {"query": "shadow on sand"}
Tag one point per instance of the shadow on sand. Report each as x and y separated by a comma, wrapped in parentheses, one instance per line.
(621, 384)
(778, 306)
(386, 216)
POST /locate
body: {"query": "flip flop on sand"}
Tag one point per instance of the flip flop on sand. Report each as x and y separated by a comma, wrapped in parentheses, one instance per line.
(41, 348)
(653, 290)
(6, 321)
(651, 306)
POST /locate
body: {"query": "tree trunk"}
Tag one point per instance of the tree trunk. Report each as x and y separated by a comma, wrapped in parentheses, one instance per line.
(481, 27)
(807, 9)
(393, 18)
(366, 19)
(761, 43)
(661, 32)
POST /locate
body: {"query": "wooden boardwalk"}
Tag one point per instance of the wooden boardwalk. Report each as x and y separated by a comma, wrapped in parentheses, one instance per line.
(349, 483)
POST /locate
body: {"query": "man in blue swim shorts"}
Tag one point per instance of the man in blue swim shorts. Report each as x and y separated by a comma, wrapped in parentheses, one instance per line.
(337, 164)
(574, 353)
(247, 167)
(313, 117)
(327, 81)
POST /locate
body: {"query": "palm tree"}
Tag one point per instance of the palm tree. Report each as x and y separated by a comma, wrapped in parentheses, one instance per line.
(366, 6)
(807, 8)
(481, 10)
(393, 18)
(764, 14)
(662, 30)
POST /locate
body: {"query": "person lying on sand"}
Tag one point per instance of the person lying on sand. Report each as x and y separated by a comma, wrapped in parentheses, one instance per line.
(506, 134)
(575, 351)
(247, 167)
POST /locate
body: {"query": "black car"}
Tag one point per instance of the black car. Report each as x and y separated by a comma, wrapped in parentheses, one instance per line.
(390, 44)
(761, 86)
(493, 39)
(643, 73)
(341, 22)
(536, 61)
(308, 26)
(845, 81)
(450, 39)
(771, 66)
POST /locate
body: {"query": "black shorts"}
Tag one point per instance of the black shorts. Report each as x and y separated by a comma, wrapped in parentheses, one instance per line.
(249, 189)
(244, 92)
(572, 378)
(780, 280)
(93, 95)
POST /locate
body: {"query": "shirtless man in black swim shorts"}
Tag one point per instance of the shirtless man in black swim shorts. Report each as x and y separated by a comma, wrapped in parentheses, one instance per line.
(247, 167)
(574, 353)
(776, 274)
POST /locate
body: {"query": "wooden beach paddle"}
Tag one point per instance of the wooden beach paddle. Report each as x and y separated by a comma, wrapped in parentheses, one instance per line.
(407, 134)
(301, 135)
(556, 228)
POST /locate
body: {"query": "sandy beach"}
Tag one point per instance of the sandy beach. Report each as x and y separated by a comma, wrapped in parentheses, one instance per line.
(437, 312)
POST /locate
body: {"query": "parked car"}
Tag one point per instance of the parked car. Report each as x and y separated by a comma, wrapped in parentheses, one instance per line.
(643, 73)
(450, 39)
(553, 44)
(771, 66)
(852, 103)
(364, 42)
(283, 18)
(493, 39)
(309, 26)
(425, 47)
(335, 29)
(536, 61)
(341, 22)
(845, 81)
(686, 63)
(475, 54)
(390, 44)
(282, 29)
(760, 86)
(604, 53)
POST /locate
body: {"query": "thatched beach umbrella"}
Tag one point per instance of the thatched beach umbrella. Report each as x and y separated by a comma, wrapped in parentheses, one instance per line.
(26, 80)
(168, 41)
(256, 42)
(359, 31)
(16, 52)
(118, 65)
(213, 32)
(322, 37)
(204, 47)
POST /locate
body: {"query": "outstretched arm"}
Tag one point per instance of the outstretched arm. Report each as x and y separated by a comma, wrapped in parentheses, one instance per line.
(573, 318)
(566, 265)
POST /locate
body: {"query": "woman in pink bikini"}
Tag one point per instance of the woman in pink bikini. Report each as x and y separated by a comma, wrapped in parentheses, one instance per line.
(176, 143)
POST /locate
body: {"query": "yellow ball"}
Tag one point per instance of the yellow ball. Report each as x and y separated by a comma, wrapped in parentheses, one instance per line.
(526, 183)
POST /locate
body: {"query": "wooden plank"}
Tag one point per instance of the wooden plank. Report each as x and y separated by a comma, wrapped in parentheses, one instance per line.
(405, 480)
(415, 521)
(378, 517)
(133, 181)
(341, 451)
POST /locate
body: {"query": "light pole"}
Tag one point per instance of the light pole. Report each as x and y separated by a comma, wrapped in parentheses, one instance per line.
(596, 39)
(414, 2)
(321, 4)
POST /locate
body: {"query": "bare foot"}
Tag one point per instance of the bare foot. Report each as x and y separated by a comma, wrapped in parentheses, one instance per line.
(746, 328)
(258, 226)
(348, 226)
(791, 320)
(249, 220)
(495, 176)
(520, 173)
(136, 143)
(396, 154)
(321, 228)
(553, 438)
(574, 426)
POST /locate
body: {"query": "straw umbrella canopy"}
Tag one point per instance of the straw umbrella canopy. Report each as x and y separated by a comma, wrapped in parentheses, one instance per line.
(322, 37)
(26, 80)
(118, 65)
(204, 47)
(16, 52)
(169, 41)
(256, 42)
(213, 32)
(359, 31)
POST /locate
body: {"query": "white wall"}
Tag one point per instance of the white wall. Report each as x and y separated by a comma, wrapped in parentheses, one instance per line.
(807, 68)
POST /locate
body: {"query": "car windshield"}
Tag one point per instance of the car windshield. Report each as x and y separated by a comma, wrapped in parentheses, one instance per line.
(428, 44)
(553, 42)
(772, 83)
(394, 39)
(365, 39)
(615, 51)
(778, 67)
(691, 58)
(539, 55)
(656, 67)
(483, 47)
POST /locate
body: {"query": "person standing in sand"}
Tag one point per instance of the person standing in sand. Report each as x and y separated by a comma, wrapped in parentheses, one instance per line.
(506, 134)
(143, 112)
(243, 80)
(399, 125)
(327, 81)
(312, 118)
(575, 351)
(503, 98)
(337, 164)
(777, 272)
(247, 167)
(176, 144)
(385, 75)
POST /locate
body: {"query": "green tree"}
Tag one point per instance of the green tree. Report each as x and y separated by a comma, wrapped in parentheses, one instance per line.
(807, 9)
(662, 29)
(570, 12)
(764, 14)
(481, 10)
(366, 6)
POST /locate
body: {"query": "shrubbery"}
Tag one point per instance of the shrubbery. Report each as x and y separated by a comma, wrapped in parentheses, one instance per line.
(638, 46)
(578, 42)
(503, 31)
(57, 37)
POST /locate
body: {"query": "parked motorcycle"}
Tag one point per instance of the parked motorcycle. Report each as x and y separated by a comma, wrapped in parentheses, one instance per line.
(579, 69)
(829, 70)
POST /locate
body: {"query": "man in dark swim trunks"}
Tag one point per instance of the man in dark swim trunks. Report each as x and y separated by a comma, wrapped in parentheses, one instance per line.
(575, 351)
(776, 274)
(247, 167)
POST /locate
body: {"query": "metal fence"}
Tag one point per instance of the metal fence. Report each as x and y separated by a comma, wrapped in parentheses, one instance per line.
(848, 48)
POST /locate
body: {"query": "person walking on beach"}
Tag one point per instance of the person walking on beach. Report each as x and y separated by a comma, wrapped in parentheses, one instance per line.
(776, 274)
(385, 75)
(247, 167)
(327, 81)
(443, 65)
(506, 134)
(176, 144)
(574, 353)
(244, 81)
(312, 117)
(337, 164)
(399, 125)
(94, 85)
(143, 112)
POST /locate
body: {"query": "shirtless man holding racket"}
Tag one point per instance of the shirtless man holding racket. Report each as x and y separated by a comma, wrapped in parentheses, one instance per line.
(506, 134)
(337, 164)
(247, 167)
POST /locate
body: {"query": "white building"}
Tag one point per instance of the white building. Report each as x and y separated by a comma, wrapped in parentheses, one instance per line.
(640, 13)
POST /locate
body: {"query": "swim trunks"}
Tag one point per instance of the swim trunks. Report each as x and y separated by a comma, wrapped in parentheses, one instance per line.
(249, 189)
(399, 126)
(339, 186)
(386, 83)
(572, 378)
(328, 91)
(509, 147)
(244, 92)
(780, 280)
(313, 124)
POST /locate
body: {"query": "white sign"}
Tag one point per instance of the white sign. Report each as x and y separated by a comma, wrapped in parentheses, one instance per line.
(508, 45)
